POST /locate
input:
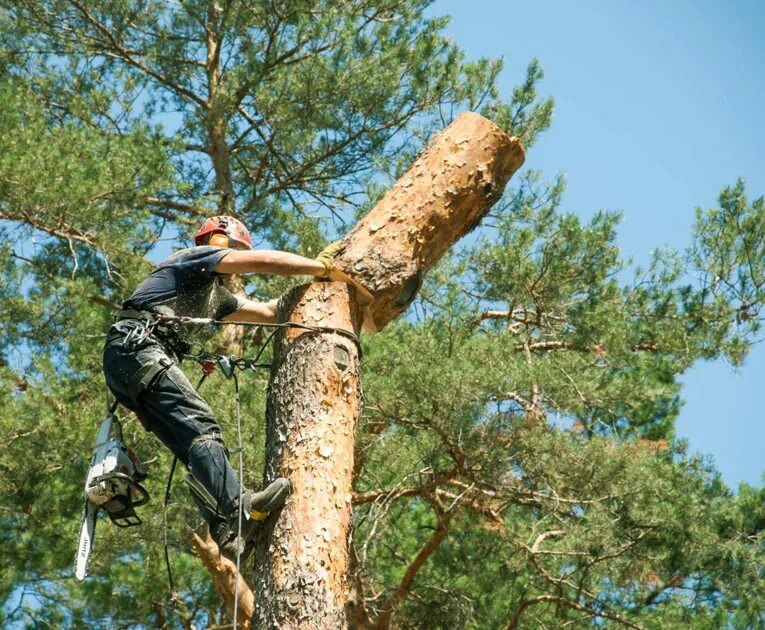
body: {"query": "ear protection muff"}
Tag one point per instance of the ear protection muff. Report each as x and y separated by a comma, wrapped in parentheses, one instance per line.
(218, 240)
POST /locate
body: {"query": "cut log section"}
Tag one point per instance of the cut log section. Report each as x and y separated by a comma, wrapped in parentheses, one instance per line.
(446, 192)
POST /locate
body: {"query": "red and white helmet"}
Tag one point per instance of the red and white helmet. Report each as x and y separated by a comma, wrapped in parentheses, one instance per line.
(231, 227)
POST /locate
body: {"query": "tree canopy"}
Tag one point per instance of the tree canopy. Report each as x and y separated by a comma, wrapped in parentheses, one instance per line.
(516, 462)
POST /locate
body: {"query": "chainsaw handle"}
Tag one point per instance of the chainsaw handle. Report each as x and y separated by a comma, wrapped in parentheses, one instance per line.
(144, 497)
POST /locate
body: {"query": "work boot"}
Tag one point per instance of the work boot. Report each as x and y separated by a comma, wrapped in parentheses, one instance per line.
(230, 543)
(256, 506)
(260, 504)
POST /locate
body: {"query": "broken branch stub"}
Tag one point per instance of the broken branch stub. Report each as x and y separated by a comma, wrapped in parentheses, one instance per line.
(223, 573)
(451, 185)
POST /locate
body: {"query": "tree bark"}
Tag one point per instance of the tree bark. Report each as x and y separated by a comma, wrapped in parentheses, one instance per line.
(314, 399)
(443, 196)
(314, 394)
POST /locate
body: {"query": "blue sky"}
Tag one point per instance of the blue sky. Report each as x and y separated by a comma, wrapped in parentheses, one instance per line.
(658, 106)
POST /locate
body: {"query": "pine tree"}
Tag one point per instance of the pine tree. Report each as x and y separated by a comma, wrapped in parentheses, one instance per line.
(515, 463)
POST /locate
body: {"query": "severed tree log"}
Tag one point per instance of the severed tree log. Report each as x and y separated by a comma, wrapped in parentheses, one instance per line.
(314, 397)
(444, 195)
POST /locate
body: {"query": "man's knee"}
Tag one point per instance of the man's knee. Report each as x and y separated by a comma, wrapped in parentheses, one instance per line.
(208, 451)
(208, 436)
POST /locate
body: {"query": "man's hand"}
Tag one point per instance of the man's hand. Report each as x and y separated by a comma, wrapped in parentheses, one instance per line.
(327, 256)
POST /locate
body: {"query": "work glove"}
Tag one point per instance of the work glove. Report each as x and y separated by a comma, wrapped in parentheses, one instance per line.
(327, 256)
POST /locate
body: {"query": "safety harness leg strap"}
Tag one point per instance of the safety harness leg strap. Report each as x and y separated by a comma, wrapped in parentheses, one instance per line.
(145, 376)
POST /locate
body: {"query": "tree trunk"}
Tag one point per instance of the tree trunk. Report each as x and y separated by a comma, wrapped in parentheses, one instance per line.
(314, 400)
(446, 192)
(314, 394)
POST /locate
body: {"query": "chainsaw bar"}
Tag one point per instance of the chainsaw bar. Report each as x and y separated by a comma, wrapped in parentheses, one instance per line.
(88, 525)
(85, 544)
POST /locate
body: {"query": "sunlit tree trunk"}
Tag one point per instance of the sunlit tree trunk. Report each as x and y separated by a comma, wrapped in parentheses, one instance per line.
(314, 395)
(314, 400)
(444, 195)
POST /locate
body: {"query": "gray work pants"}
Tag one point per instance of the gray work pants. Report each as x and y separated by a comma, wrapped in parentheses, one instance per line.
(171, 408)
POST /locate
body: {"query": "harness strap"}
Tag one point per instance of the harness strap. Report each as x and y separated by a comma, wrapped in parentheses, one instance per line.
(145, 375)
(133, 314)
(148, 324)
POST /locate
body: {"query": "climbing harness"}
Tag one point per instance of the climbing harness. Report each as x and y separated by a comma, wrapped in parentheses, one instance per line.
(166, 325)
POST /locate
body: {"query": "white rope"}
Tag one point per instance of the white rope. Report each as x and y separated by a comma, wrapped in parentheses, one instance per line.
(241, 485)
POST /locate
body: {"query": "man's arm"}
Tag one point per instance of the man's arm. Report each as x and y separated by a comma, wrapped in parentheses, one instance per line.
(252, 311)
(286, 264)
(269, 261)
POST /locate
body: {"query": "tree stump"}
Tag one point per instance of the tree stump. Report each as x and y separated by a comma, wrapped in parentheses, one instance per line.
(314, 400)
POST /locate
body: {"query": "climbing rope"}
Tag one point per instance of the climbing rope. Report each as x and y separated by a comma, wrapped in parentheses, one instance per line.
(208, 321)
(239, 545)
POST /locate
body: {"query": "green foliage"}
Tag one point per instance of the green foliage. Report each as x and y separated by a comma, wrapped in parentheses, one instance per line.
(520, 416)
(529, 403)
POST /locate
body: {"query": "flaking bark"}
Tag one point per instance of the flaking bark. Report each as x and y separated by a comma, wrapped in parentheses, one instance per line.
(314, 397)
(314, 400)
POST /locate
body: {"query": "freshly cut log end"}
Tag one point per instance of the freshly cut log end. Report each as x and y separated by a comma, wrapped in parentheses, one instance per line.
(444, 195)
(314, 400)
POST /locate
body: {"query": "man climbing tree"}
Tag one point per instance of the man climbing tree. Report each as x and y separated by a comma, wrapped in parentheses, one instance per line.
(141, 359)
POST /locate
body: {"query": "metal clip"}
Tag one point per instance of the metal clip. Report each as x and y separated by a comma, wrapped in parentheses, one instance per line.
(227, 365)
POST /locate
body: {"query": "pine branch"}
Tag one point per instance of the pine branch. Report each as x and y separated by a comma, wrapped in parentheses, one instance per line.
(541, 599)
(195, 211)
(439, 535)
(122, 53)
(61, 230)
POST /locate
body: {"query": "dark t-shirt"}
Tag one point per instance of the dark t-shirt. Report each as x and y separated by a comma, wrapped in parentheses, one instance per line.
(185, 285)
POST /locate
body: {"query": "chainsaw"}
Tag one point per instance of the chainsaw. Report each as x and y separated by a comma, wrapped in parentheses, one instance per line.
(112, 485)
